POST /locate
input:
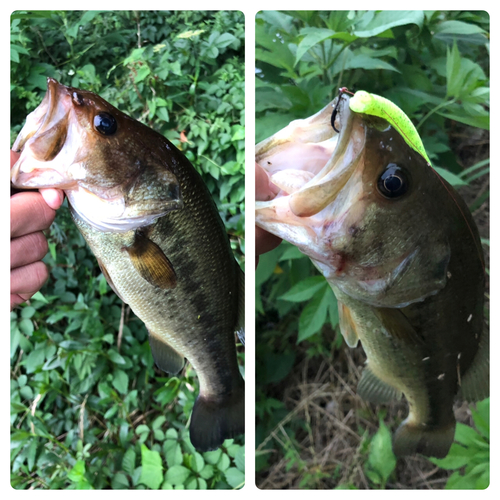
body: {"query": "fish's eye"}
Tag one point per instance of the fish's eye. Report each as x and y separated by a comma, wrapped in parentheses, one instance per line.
(105, 123)
(393, 182)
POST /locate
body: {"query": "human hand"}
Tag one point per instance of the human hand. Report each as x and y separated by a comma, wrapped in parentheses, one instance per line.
(30, 214)
(264, 191)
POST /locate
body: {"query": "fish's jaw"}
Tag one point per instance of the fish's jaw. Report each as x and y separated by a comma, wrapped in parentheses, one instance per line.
(51, 144)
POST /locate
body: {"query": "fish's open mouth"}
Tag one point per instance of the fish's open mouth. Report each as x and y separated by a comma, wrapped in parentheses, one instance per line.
(309, 161)
(42, 139)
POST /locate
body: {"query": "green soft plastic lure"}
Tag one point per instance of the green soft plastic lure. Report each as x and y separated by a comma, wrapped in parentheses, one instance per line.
(371, 104)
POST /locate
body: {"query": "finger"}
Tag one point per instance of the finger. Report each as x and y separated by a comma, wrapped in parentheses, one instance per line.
(264, 241)
(29, 213)
(17, 299)
(53, 197)
(28, 279)
(264, 189)
(27, 249)
(13, 157)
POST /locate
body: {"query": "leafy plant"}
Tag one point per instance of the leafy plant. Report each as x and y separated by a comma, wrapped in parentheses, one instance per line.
(88, 407)
(432, 64)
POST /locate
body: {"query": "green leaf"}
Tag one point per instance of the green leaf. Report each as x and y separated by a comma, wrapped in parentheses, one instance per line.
(381, 460)
(481, 417)
(305, 289)
(177, 474)
(115, 357)
(120, 481)
(366, 62)
(453, 64)
(212, 457)
(173, 452)
(152, 470)
(128, 462)
(314, 314)
(386, 19)
(312, 38)
(235, 477)
(453, 179)
(120, 381)
(457, 27)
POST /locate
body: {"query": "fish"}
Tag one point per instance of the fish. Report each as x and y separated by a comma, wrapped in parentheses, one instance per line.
(402, 254)
(157, 236)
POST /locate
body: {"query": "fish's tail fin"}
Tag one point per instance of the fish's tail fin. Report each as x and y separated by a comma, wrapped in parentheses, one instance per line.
(435, 442)
(214, 420)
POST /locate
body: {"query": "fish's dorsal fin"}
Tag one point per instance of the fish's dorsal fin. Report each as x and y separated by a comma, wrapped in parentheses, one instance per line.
(347, 325)
(475, 383)
(240, 323)
(165, 357)
(372, 389)
(151, 263)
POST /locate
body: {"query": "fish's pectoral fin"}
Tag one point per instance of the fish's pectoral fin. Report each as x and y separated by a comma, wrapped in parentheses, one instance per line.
(108, 278)
(475, 383)
(165, 357)
(397, 325)
(347, 325)
(151, 263)
(240, 324)
(374, 390)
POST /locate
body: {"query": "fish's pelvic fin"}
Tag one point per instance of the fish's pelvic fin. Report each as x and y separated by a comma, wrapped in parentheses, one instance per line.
(347, 325)
(475, 383)
(430, 442)
(374, 390)
(240, 324)
(214, 419)
(165, 357)
(151, 263)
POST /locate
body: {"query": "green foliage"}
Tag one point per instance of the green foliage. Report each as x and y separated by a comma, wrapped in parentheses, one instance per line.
(381, 461)
(435, 66)
(469, 455)
(88, 407)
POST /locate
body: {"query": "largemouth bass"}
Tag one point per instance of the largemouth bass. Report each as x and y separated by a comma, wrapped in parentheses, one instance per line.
(402, 254)
(157, 236)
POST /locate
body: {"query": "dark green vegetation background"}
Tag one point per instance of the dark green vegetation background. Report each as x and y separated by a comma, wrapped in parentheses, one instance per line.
(89, 409)
(312, 429)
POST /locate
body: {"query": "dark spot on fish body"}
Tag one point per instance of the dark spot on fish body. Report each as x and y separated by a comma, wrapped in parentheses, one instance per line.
(338, 261)
(77, 99)
(353, 230)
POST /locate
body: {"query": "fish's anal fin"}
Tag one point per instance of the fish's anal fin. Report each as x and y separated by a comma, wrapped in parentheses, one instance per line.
(151, 263)
(108, 278)
(372, 389)
(475, 383)
(216, 419)
(347, 325)
(165, 357)
(430, 442)
(240, 324)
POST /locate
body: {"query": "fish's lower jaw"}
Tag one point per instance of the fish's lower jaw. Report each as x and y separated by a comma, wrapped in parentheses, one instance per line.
(428, 441)
(215, 420)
